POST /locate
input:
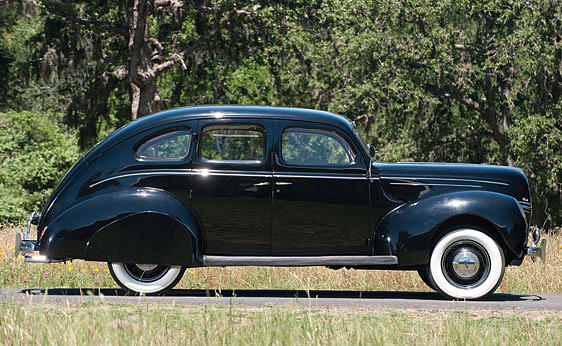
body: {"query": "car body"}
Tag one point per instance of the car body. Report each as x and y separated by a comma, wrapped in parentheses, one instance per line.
(249, 185)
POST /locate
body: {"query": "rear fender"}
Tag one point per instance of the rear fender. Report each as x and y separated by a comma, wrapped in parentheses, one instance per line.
(408, 231)
(145, 237)
(85, 230)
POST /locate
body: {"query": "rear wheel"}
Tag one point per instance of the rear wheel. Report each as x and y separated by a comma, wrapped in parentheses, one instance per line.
(466, 264)
(145, 278)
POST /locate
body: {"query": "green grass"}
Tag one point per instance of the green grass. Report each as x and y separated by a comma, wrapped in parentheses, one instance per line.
(100, 323)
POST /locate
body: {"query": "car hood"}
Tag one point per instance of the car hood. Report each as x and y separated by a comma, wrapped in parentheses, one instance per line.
(408, 182)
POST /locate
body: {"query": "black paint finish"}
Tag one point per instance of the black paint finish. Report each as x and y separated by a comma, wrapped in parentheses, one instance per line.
(113, 206)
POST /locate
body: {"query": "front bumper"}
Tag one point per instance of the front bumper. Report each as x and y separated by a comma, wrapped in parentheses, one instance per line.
(537, 251)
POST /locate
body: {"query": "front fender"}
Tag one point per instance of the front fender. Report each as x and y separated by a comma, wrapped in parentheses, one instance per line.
(408, 231)
(144, 209)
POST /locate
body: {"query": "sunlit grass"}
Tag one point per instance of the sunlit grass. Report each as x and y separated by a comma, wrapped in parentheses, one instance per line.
(528, 278)
(101, 323)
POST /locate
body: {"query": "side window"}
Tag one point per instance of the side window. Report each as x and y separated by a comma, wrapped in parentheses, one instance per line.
(171, 145)
(233, 143)
(315, 147)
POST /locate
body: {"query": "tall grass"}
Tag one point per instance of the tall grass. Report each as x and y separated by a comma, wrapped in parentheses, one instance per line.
(101, 324)
(528, 278)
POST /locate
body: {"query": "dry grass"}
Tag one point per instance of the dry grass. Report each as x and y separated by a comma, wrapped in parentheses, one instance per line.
(529, 278)
(104, 324)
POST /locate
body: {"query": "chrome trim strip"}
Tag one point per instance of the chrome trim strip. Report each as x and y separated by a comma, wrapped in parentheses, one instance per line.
(232, 173)
(125, 175)
(435, 184)
(316, 176)
(296, 261)
(265, 183)
(228, 173)
(448, 179)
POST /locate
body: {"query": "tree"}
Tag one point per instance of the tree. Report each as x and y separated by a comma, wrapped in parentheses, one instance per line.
(131, 45)
(449, 81)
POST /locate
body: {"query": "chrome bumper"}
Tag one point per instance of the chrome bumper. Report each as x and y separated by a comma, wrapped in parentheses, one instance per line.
(26, 247)
(535, 251)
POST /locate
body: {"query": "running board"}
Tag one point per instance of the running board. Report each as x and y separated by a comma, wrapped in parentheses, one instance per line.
(292, 261)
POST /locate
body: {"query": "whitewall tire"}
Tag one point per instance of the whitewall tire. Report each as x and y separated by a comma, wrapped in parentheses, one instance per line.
(466, 264)
(145, 278)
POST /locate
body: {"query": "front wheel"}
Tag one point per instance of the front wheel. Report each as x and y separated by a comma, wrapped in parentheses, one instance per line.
(145, 278)
(466, 264)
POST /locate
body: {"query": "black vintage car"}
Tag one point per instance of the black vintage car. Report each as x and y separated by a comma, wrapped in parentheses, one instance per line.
(265, 186)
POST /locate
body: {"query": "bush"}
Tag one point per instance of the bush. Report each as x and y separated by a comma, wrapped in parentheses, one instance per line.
(35, 152)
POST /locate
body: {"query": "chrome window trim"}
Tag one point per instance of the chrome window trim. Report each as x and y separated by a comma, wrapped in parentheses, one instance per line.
(448, 179)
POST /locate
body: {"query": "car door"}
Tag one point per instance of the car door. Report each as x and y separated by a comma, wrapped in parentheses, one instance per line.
(232, 182)
(321, 192)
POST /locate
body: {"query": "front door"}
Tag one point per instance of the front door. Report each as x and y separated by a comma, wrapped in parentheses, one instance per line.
(321, 192)
(232, 182)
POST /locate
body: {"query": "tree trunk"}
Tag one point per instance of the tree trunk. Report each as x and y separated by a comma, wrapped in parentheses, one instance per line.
(141, 74)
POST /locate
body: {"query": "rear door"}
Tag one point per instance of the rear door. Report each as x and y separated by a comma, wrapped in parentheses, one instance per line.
(321, 192)
(232, 185)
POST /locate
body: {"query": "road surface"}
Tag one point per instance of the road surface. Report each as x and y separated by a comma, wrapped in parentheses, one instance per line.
(316, 298)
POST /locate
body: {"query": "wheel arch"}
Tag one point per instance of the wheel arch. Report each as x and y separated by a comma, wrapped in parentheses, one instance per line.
(410, 231)
(78, 232)
(470, 220)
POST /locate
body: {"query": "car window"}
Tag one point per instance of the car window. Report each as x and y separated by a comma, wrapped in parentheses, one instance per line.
(315, 147)
(171, 145)
(232, 143)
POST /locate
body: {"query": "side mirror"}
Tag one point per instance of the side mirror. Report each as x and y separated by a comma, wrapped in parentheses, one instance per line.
(372, 152)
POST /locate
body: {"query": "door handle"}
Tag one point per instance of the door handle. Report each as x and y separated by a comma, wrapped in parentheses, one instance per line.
(265, 183)
(283, 183)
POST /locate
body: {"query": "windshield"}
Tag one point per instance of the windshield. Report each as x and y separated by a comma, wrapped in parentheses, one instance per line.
(360, 136)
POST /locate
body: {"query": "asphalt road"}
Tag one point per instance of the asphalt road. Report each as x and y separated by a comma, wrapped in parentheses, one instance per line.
(366, 299)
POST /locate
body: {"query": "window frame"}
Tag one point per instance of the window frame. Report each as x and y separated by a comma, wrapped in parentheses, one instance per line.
(351, 152)
(155, 136)
(235, 126)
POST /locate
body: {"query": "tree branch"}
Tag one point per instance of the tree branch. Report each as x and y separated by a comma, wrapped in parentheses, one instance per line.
(455, 95)
(461, 46)
(85, 22)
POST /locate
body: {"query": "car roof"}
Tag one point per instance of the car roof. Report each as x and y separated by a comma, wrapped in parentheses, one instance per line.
(227, 111)
(206, 112)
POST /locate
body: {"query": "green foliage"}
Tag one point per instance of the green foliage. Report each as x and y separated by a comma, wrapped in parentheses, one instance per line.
(453, 81)
(34, 155)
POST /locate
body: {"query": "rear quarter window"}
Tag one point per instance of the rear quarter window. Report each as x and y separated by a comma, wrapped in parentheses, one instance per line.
(167, 146)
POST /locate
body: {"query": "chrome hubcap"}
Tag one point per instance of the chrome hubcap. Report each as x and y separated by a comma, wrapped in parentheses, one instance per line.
(466, 263)
(146, 267)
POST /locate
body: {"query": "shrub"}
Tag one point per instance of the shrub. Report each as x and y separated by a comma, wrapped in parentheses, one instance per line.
(35, 152)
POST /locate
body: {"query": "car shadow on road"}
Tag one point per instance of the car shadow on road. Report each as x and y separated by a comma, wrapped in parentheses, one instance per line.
(260, 293)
